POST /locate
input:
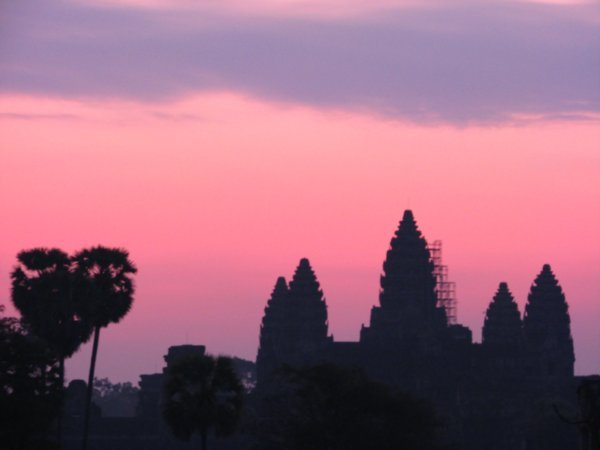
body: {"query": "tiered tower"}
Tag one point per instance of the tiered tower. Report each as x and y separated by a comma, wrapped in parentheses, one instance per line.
(502, 328)
(308, 314)
(272, 339)
(408, 296)
(502, 339)
(547, 328)
(294, 326)
(405, 342)
(489, 395)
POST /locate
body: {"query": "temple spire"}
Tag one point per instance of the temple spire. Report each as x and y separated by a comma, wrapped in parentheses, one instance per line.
(273, 331)
(294, 326)
(304, 284)
(502, 327)
(408, 281)
(547, 326)
(280, 291)
(309, 311)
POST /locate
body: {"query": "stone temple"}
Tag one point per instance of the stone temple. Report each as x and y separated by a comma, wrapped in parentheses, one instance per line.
(497, 394)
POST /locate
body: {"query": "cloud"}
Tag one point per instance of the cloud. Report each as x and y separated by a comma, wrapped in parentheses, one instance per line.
(462, 63)
(20, 116)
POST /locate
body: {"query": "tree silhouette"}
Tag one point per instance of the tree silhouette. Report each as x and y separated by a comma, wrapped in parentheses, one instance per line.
(201, 393)
(115, 399)
(30, 389)
(588, 397)
(42, 291)
(327, 407)
(104, 294)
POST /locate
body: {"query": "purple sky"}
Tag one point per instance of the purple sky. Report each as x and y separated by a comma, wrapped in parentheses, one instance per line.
(222, 141)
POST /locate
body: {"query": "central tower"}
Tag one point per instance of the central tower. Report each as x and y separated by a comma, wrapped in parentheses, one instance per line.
(407, 298)
(404, 342)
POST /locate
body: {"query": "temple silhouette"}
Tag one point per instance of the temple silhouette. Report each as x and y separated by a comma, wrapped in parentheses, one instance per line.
(497, 394)
(506, 393)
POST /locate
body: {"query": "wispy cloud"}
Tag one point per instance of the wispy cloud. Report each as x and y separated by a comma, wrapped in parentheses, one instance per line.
(21, 116)
(459, 63)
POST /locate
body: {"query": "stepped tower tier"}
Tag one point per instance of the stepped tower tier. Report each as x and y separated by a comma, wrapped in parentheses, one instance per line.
(294, 326)
(272, 348)
(407, 342)
(502, 327)
(547, 327)
(407, 297)
(308, 308)
(408, 278)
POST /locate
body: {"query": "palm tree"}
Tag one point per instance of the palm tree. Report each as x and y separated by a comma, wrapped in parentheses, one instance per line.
(201, 393)
(104, 293)
(42, 291)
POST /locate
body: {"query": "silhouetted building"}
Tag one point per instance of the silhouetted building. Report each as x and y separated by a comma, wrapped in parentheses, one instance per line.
(493, 395)
(502, 335)
(547, 329)
(147, 429)
(502, 328)
(294, 327)
(273, 331)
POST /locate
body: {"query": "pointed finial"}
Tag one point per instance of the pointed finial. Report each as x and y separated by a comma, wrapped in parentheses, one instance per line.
(304, 262)
(280, 285)
(546, 275)
(503, 293)
(408, 224)
(408, 216)
(280, 291)
(304, 282)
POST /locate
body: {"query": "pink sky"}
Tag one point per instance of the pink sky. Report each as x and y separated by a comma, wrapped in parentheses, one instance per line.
(218, 193)
(220, 142)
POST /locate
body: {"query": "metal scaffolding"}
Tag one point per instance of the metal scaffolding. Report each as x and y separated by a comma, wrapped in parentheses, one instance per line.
(445, 290)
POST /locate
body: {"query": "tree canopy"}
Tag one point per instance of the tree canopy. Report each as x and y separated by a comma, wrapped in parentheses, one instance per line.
(104, 291)
(30, 387)
(42, 291)
(202, 393)
(326, 407)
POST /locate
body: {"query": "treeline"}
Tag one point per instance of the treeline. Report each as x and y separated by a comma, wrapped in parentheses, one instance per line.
(64, 301)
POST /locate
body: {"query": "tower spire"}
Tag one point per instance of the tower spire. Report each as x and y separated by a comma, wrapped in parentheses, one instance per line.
(304, 284)
(272, 331)
(408, 281)
(547, 326)
(294, 326)
(308, 308)
(502, 326)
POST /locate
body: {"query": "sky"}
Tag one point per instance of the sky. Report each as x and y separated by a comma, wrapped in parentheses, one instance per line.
(222, 141)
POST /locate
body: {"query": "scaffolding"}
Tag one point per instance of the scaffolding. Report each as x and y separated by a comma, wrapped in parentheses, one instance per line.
(444, 289)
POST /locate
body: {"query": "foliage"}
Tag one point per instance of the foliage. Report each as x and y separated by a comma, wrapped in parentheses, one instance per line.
(115, 400)
(332, 408)
(202, 393)
(63, 299)
(104, 293)
(246, 372)
(104, 287)
(30, 387)
(42, 291)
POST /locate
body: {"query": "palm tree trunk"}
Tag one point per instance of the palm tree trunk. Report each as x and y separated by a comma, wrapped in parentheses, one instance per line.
(61, 369)
(90, 389)
(203, 435)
